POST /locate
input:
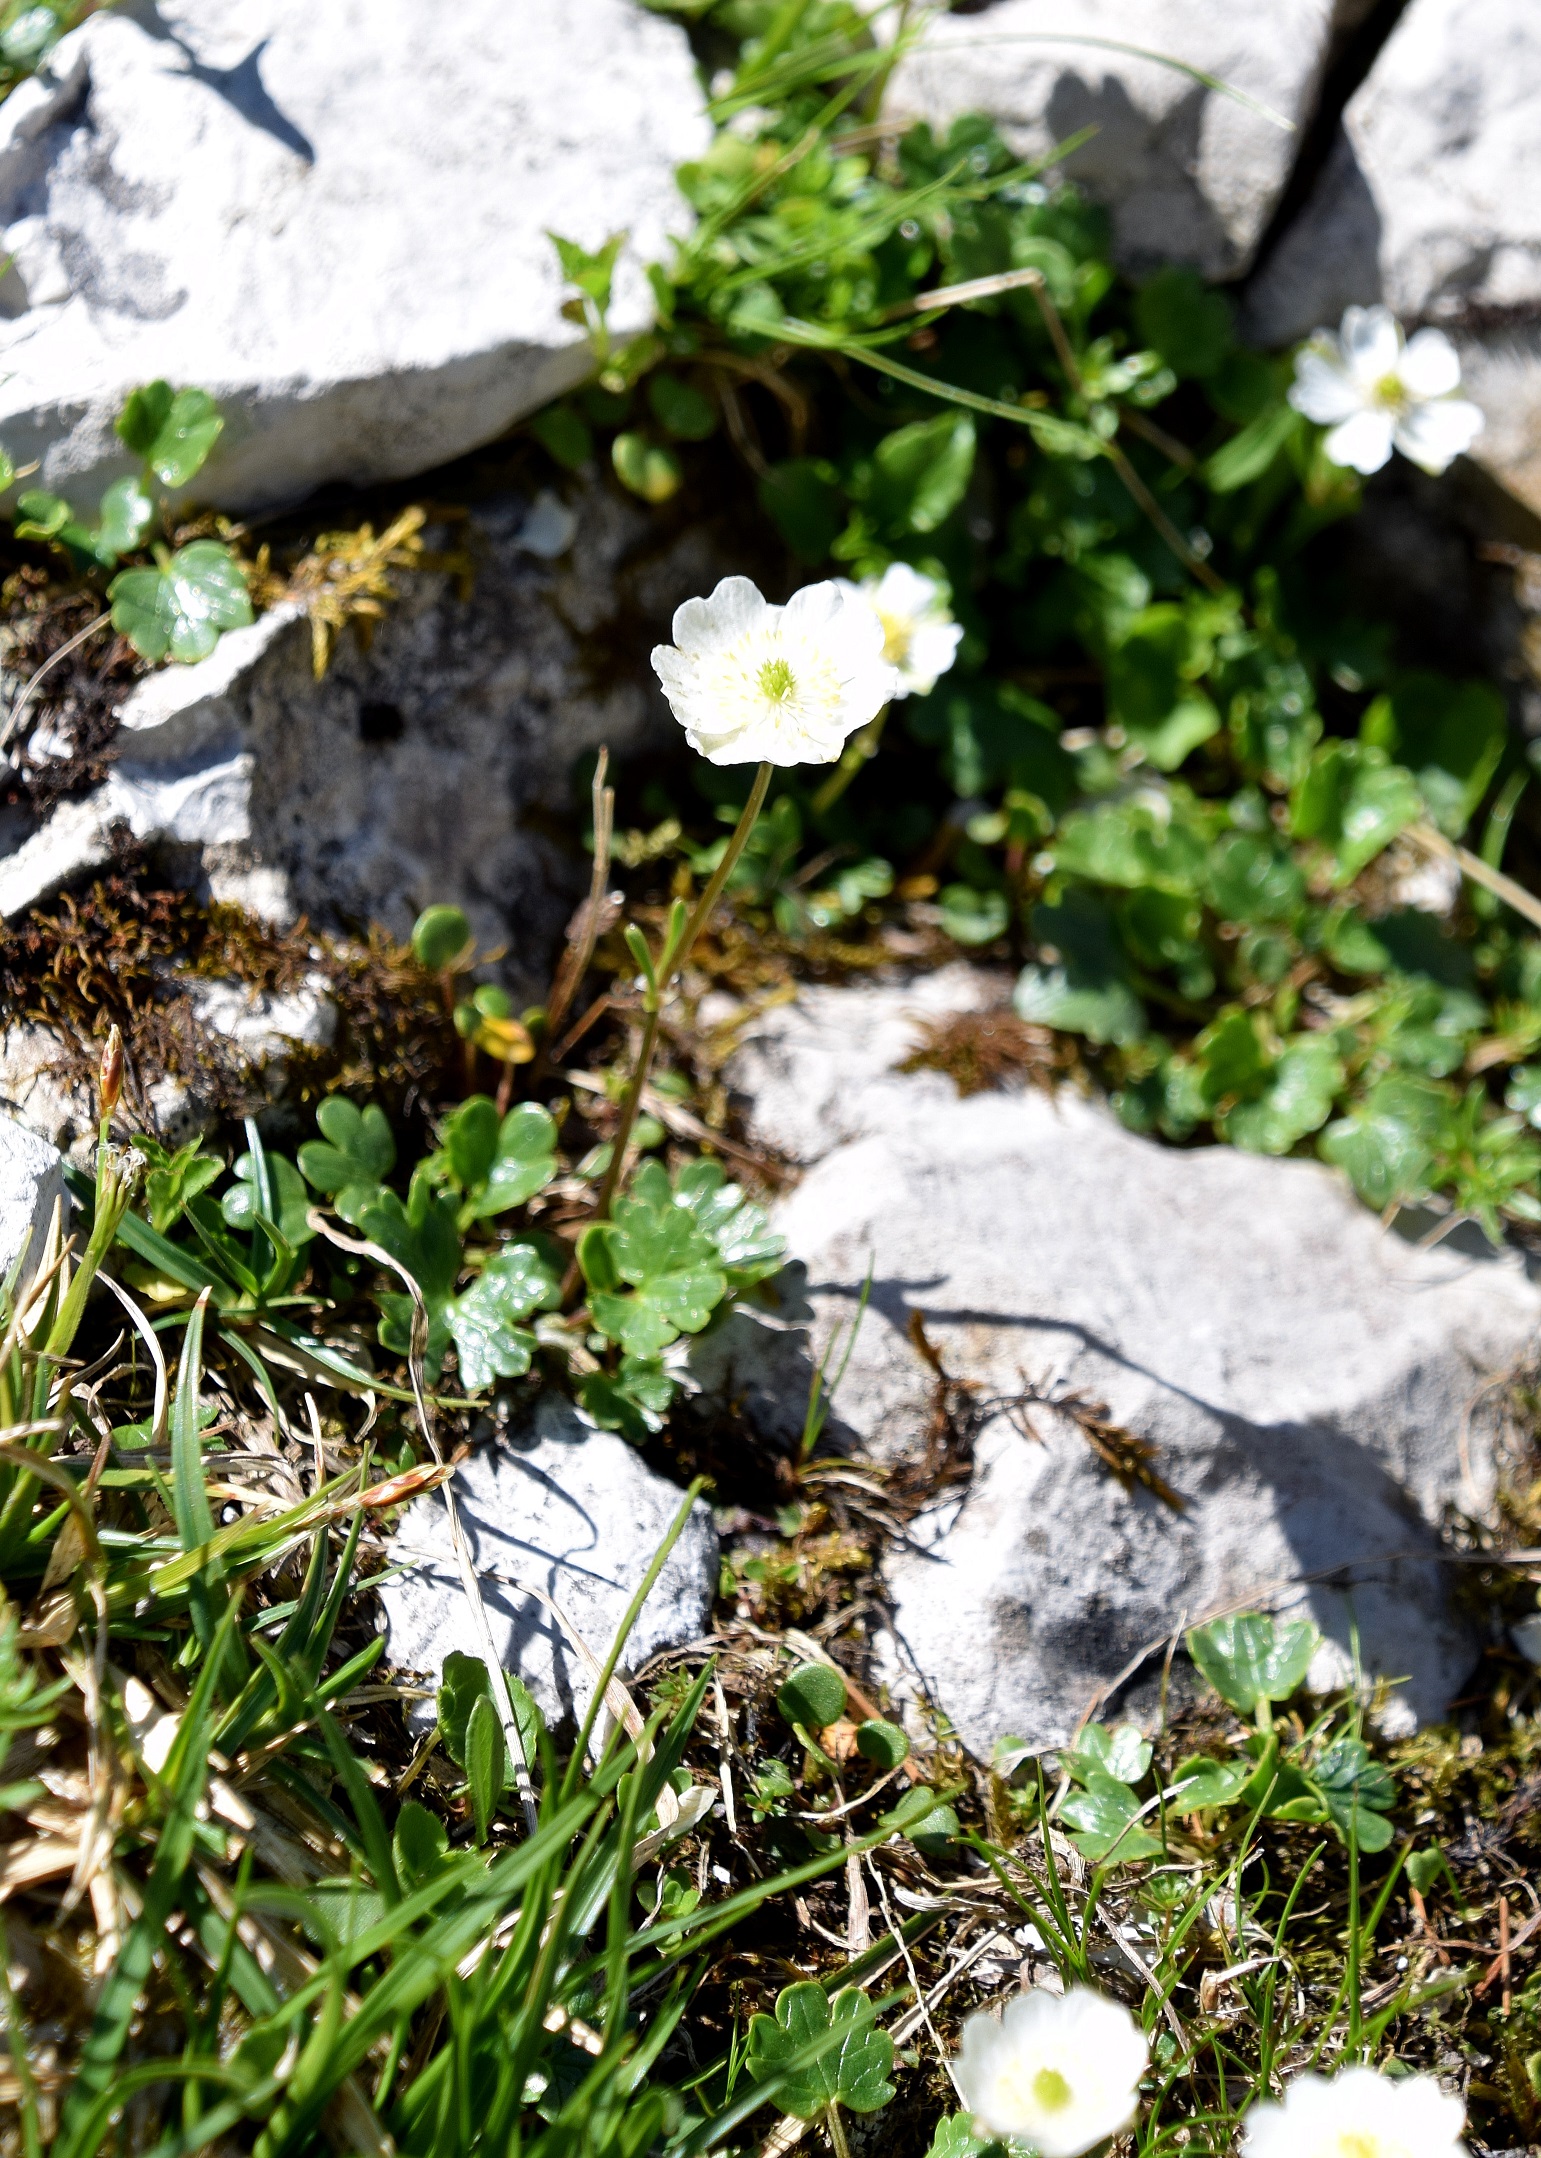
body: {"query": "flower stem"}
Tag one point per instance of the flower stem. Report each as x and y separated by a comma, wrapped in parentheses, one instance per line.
(672, 960)
(857, 752)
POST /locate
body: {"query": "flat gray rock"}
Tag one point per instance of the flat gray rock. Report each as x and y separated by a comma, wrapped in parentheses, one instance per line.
(31, 1185)
(572, 1512)
(333, 217)
(1314, 1387)
(1190, 174)
(1431, 201)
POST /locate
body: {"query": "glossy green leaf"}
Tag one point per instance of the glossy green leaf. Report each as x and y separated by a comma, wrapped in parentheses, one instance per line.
(487, 1766)
(919, 473)
(1295, 1098)
(1250, 879)
(1357, 1792)
(175, 1176)
(241, 1203)
(1251, 1657)
(173, 431)
(1103, 1816)
(1386, 1143)
(818, 2050)
(354, 1156)
(181, 612)
(972, 917)
(670, 1264)
(485, 1321)
(565, 435)
(1121, 1752)
(646, 468)
(441, 939)
(127, 514)
(1201, 1784)
(1354, 801)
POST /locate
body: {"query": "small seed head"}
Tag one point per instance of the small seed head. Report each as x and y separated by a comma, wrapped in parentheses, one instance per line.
(111, 1085)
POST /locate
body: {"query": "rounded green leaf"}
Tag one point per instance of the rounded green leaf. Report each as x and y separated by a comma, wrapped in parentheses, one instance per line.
(813, 1696)
(817, 2052)
(881, 1742)
(1251, 1657)
(127, 515)
(646, 468)
(180, 612)
(441, 936)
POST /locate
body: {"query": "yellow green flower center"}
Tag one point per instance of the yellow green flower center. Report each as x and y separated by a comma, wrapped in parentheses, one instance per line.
(1051, 2090)
(1389, 391)
(896, 637)
(1358, 2143)
(776, 680)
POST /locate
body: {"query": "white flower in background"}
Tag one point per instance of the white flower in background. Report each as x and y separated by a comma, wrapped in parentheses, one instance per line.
(751, 683)
(920, 637)
(1358, 2114)
(1377, 391)
(1058, 2072)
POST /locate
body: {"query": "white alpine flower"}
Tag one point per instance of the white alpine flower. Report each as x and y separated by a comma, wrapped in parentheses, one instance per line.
(920, 637)
(1058, 2072)
(1358, 2114)
(1377, 391)
(751, 683)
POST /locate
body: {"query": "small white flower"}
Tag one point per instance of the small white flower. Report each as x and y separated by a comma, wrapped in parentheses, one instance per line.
(1059, 2072)
(1358, 2114)
(920, 637)
(751, 683)
(1378, 391)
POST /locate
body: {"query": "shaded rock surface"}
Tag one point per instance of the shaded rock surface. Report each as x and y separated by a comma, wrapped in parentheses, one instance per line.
(572, 1512)
(1190, 174)
(1431, 201)
(31, 1185)
(416, 770)
(334, 218)
(1317, 1391)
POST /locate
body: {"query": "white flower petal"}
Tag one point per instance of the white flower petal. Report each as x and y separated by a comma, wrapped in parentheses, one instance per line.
(1435, 434)
(1376, 2116)
(1363, 443)
(1372, 343)
(1060, 2073)
(903, 589)
(932, 649)
(705, 625)
(751, 682)
(1431, 366)
(1323, 390)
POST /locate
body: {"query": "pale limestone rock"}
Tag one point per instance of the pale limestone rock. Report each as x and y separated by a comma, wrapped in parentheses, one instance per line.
(31, 1185)
(572, 1512)
(1320, 1391)
(1431, 201)
(1190, 174)
(334, 218)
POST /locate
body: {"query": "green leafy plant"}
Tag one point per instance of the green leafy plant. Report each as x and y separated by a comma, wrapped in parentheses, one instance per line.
(1178, 771)
(826, 2054)
(179, 606)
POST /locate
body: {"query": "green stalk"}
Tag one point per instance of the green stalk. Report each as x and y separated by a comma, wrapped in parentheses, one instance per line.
(861, 747)
(676, 951)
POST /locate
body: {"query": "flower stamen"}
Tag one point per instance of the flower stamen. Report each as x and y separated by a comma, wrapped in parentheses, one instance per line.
(776, 680)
